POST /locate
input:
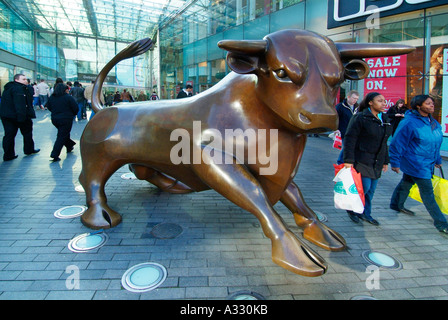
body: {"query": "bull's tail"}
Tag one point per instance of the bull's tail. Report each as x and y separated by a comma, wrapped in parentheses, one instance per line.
(136, 48)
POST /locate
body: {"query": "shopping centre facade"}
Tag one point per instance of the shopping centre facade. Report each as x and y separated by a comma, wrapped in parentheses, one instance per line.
(186, 49)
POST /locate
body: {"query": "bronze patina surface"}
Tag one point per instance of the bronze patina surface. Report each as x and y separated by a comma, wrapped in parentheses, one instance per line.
(286, 84)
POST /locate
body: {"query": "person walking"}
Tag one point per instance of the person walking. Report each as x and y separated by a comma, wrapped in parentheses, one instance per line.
(396, 114)
(77, 92)
(187, 92)
(346, 109)
(415, 150)
(16, 112)
(44, 90)
(366, 149)
(63, 108)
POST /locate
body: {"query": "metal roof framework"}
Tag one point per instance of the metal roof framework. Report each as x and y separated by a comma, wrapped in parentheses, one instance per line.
(119, 20)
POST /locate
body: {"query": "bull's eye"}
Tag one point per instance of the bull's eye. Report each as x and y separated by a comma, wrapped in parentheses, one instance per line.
(281, 75)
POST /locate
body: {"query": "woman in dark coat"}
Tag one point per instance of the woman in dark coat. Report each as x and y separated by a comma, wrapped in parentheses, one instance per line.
(365, 148)
(63, 109)
(396, 114)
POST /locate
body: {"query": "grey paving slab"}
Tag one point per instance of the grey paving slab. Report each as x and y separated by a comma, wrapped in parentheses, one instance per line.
(221, 249)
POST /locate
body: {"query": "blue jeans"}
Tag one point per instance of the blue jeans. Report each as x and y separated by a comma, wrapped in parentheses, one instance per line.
(401, 193)
(369, 186)
(341, 155)
(80, 107)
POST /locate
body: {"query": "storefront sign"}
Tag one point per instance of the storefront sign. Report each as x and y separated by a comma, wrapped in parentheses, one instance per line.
(344, 12)
(388, 77)
(445, 94)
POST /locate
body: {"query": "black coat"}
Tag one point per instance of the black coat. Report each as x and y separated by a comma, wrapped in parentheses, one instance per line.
(183, 94)
(365, 143)
(345, 113)
(17, 102)
(62, 107)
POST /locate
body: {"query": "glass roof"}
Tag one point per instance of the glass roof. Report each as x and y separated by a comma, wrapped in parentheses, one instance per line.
(121, 20)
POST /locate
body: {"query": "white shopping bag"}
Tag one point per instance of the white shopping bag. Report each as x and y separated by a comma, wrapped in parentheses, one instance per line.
(346, 194)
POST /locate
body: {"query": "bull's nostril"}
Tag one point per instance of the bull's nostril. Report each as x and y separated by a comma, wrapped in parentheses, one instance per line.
(304, 119)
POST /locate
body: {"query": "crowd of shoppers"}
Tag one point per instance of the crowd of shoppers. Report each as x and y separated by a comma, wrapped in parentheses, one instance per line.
(414, 149)
(67, 102)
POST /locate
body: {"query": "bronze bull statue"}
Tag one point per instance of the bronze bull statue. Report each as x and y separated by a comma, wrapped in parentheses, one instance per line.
(283, 86)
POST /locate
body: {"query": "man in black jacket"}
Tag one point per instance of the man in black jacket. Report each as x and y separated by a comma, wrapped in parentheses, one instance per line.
(346, 109)
(77, 92)
(187, 92)
(16, 112)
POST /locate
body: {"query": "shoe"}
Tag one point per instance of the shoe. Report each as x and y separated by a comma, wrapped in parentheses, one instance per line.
(55, 159)
(369, 220)
(9, 159)
(34, 151)
(70, 149)
(353, 216)
(404, 210)
(444, 231)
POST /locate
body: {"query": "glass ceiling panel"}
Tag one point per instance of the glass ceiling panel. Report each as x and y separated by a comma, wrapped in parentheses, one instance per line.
(121, 20)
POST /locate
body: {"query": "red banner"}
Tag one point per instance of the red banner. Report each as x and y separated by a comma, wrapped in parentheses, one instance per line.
(388, 77)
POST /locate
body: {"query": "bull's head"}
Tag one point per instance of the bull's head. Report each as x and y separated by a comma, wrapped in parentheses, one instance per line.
(299, 72)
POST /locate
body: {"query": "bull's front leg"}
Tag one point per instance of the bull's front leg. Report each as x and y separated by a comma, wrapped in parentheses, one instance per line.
(314, 231)
(237, 184)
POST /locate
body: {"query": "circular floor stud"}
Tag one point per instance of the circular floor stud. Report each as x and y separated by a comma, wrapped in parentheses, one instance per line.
(70, 212)
(245, 295)
(363, 298)
(144, 277)
(321, 216)
(381, 260)
(166, 231)
(87, 241)
(128, 176)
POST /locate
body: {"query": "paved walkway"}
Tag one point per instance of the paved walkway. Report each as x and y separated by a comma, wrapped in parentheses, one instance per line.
(221, 249)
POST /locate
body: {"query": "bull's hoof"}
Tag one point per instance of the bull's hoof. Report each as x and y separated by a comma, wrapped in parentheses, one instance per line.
(289, 253)
(324, 237)
(100, 217)
(320, 235)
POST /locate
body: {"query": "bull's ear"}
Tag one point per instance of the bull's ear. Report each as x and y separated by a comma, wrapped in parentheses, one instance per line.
(243, 55)
(356, 69)
(242, 63)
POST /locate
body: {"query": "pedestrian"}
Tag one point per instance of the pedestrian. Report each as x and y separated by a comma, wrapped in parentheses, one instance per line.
(117, 98)
(396, 114)
(16, 112)
(187, 92)
(154, 96)
(141, 96)
(44, 90)
(125, 96)
(77, 92)
(36, 102)
(346, 109)
(415, 150)
(366, 150)
(63, 108)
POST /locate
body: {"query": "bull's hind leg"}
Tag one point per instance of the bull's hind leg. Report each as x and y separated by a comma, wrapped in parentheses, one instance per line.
(314, 231)
(238, 185)
(93, 178)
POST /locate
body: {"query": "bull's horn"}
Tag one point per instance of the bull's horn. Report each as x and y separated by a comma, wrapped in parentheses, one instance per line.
(350, 50)
(250, 47)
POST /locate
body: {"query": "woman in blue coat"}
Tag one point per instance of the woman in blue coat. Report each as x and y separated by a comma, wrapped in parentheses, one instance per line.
(415, 149)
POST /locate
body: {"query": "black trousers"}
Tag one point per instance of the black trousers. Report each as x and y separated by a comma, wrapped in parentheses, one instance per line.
(64, 127)
(11, 127)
